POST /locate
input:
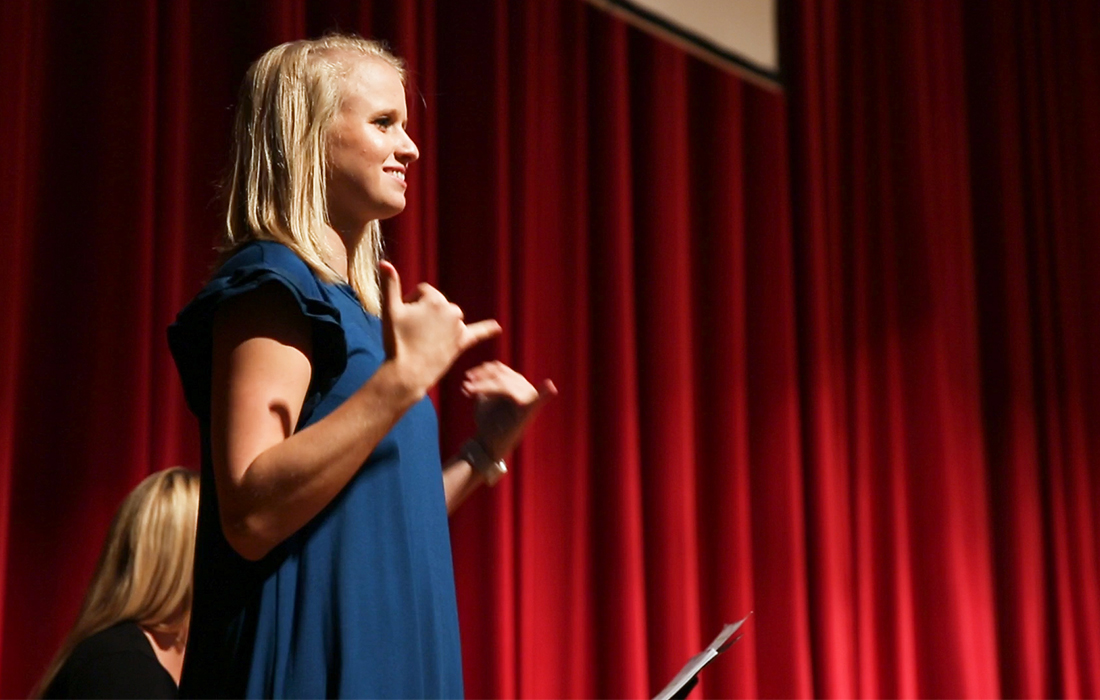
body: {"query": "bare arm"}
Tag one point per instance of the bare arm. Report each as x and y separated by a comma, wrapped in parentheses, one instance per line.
(459, 481)
(270, 480)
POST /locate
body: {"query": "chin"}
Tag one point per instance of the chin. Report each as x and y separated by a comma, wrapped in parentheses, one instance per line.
(390, 210)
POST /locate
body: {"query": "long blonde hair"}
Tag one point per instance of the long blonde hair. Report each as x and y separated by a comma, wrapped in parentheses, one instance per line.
(144, 571)
(276, 189)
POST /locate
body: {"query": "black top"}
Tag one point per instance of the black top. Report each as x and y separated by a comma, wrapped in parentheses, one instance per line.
(118, 662)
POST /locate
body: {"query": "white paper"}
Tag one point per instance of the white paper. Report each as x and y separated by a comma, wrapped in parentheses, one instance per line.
(697, 662)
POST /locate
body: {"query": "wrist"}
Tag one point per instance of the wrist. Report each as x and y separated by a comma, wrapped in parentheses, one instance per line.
(408, 377)
(489, 467)
(400, 383)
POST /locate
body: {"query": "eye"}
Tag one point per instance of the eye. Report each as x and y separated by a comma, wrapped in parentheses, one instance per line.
(383, 123)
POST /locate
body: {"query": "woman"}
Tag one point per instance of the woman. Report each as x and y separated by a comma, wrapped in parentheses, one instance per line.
(323, 561)
(130, 636)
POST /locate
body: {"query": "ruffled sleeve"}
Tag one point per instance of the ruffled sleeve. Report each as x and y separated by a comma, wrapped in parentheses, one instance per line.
(190, 338)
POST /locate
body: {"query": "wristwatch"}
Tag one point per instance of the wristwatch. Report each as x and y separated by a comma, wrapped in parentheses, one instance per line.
(490, 469)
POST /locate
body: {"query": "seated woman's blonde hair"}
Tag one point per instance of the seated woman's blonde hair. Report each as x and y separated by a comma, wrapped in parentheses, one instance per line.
(144, 571)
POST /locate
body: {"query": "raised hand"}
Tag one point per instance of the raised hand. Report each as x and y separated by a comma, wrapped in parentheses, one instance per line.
(424, 333)
(506, 404)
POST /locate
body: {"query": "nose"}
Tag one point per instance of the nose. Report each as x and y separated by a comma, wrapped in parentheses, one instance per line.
(407, 151)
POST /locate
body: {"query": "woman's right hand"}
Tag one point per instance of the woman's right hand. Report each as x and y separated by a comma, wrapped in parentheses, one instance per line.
(424, 334)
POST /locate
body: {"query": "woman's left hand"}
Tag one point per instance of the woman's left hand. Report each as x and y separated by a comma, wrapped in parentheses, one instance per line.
(506, 404)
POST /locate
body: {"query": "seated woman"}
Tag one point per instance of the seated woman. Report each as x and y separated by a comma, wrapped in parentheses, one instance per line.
(130, 636)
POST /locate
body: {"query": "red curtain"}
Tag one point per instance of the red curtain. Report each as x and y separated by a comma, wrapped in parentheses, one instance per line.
(944, 154)
(822, 355)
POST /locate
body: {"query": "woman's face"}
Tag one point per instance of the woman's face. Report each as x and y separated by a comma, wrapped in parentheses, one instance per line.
(368, 149)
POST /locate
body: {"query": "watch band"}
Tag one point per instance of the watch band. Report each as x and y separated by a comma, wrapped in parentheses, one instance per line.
(490, 469)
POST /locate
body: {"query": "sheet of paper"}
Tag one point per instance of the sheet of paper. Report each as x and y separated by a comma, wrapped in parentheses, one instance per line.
(700, 660)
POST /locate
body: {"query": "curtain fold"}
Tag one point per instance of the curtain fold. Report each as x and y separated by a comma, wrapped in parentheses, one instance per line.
(20, 90)
(822, 355)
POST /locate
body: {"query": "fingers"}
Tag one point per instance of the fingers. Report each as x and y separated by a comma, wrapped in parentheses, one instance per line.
(428, 327)
(390, 283)
(425, 292)
(490, 379)
(425, 331)
(478, 332)
(496, 379)
(547, 391)
(506, 404)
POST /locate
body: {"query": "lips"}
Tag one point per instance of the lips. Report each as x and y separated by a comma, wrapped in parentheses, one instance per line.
(399, 174)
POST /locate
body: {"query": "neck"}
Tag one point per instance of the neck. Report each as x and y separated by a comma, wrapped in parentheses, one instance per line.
(338, 246)
(340, 240)
(169, 648)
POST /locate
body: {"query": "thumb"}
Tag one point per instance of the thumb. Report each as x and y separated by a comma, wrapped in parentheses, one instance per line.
(390, 283)
(547, 391)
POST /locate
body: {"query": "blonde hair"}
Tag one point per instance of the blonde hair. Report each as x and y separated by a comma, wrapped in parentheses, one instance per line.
(276, 189)
(144, 571)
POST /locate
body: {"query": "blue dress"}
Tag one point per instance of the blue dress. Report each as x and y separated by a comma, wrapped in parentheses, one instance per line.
(360, 602)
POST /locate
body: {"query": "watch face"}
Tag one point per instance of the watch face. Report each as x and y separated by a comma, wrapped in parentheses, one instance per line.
(495, 471)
